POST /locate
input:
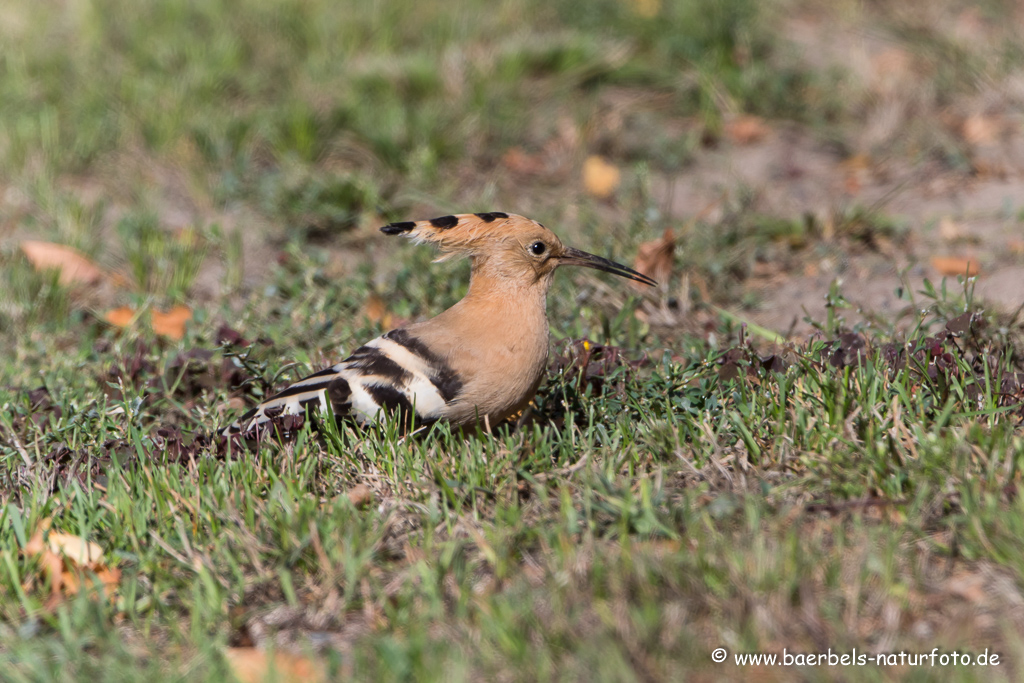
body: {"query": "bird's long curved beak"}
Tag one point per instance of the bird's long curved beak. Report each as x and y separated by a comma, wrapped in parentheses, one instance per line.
(575, 257)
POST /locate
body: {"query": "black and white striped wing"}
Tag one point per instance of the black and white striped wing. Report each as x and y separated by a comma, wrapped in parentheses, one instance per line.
(314, 391)
(393, 373)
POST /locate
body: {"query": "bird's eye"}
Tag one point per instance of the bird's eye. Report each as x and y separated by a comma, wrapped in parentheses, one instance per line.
(538, 248)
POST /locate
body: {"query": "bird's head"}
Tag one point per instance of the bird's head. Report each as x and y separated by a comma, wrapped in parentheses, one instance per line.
(506, 246)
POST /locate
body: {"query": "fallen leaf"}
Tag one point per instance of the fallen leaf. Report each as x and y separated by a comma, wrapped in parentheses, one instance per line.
(857, 171)
(74, 267)
(76, 549)
(656, 258)
(979, 129)
(376, 311)
(188, 237)
(986, 165)
(647, 8)
(234, 403)
(360, 495)
(72, 579)
(856, 163)
(69, 562)
(600, 178)
(251, 665)
(970, 587)
(891, 69)
(36, 544)
(1016, 247)
(746, 129)
(949, 230)
(120, 317)
(953, 265)
(172, 323)
(518, 161)
(53, 568)
(169, 324)
(109, 578)
(969, 27)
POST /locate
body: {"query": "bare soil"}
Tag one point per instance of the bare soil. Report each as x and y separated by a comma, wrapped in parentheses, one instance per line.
(948, 168)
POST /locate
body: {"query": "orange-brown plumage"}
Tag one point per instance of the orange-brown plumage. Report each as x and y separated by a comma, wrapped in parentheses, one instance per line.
(482, 359)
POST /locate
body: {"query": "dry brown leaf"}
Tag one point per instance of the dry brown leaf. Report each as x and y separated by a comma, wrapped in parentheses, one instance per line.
(69, 562)
(188, 237)
(251, 665)
(376, 311)
(856, 164)
(74, 267)
(979, 129)
(647, 8)
(74, 549)
(891, 69)
(234, 403)
(120, 317)
(172, 323)
(656, 258)
(953, 265)
(36, 544)
(949, 230)
(600, 178)
(660, 548)
(970, 587)
(518, 161)
(746, 129)
(857, 171)
(360, 495)
(1016, 247)
(169, 324)
(109, 578)
(969, 27)
(53, 568)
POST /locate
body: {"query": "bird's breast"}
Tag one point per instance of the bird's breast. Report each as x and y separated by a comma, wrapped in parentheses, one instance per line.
(500, 377)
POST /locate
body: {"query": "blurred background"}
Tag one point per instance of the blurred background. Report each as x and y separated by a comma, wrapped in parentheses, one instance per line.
(188, 146)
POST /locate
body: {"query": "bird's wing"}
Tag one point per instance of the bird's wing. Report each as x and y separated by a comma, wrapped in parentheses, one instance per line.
(394, 372)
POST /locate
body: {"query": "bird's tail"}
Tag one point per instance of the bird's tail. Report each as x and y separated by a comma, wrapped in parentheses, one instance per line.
(317, 390)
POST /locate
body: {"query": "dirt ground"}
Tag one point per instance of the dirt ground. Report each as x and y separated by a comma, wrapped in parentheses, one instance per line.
(945, 214)
(945, 167)
(948, 215)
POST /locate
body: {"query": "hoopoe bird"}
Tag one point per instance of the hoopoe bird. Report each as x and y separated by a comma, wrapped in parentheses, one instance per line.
(479, 362)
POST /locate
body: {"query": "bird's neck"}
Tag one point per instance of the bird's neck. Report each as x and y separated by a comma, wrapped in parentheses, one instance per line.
(493, 296)
(506, 314)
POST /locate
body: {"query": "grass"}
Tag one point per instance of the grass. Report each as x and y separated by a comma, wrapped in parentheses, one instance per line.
(311, 115)
(639, 520)
(859, 489)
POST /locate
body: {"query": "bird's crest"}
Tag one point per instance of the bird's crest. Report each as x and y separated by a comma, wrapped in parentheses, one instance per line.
(462, 233)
